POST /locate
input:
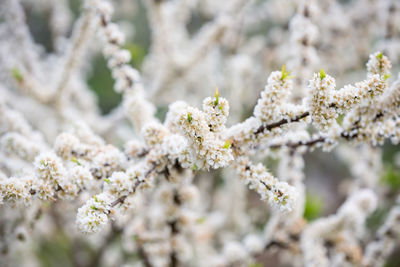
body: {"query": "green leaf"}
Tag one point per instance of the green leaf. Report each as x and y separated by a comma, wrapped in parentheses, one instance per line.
(285, 74)
(386, 76)
(379, 56)
(107, 180)
(189, 117)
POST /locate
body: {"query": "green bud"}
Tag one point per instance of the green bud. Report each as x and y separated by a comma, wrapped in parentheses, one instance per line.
(227, 144)
(216, 95)
(75, 160)
(194, 167)
(322, 74)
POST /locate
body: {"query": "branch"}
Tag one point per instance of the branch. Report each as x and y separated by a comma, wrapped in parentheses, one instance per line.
(112, 235)
(294, 145)
(312, 142)
(78, 40)
(135, 186)
(277, 124)
(173, 258)
(143, 254)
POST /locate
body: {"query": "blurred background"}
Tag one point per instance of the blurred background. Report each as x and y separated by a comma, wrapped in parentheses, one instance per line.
(327, 176)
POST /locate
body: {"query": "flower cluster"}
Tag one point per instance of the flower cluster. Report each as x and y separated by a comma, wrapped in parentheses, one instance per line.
(272, 106)
(204, 131)
(280, 194)
(94, 214)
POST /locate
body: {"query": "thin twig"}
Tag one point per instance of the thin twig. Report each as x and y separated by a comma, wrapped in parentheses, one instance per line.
(300, 143)
(135, 186)
(277, 124)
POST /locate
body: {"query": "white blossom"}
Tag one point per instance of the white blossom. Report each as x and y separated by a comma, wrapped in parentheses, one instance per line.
(93, 215)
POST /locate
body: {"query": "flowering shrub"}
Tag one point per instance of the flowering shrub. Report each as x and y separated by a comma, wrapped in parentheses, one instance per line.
(131, 188)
